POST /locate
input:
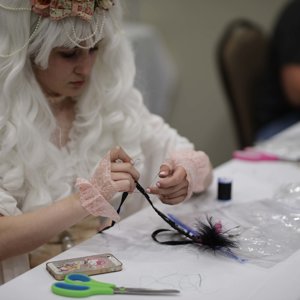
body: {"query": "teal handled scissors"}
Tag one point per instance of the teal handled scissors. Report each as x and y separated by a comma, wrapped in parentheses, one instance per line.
(81, 285)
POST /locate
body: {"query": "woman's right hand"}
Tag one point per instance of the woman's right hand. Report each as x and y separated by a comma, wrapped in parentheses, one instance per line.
(123, 172)
(114, 173)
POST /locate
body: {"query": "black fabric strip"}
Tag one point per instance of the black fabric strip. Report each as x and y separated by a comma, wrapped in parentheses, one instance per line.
(170, 242)
(124, 196)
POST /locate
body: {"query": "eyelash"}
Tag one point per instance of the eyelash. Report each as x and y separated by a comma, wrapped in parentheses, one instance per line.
(75, 53)
(68, 54)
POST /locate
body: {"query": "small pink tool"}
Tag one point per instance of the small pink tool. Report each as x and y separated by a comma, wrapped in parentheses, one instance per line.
(252, 154)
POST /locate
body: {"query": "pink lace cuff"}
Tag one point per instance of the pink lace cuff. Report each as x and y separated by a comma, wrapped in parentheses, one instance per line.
(95, 194)
(197, 166)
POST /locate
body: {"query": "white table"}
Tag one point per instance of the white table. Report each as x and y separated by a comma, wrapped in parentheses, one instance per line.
(199, 275)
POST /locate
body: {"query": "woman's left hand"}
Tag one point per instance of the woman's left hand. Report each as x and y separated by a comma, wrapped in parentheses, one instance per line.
(172, 187)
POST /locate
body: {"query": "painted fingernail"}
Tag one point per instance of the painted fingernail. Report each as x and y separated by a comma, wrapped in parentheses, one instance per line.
(148, 190)
(157, 184)
(163, 173)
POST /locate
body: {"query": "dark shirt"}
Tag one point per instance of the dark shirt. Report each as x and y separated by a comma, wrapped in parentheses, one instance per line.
(284, 48)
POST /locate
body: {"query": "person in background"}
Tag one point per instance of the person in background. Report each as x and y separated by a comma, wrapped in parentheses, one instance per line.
(74, 132)
(278, 105)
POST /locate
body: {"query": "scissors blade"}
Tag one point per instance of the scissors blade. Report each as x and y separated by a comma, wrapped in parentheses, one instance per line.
(144, 291)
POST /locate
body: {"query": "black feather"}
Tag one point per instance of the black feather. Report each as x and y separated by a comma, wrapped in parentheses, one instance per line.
(212, 238)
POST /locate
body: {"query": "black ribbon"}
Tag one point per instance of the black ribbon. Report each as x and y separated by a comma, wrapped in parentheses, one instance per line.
(164, 217)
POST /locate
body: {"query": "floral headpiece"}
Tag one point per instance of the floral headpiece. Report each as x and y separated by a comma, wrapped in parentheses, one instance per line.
(59, 9)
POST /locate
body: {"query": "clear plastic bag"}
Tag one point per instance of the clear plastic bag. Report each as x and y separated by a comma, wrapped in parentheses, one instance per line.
(269, 229)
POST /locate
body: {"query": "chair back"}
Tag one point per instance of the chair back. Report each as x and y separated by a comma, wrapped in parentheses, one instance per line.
(241, 58)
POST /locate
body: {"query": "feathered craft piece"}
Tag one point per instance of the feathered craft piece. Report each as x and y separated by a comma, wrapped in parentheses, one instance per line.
(208, 236)
(213, 237)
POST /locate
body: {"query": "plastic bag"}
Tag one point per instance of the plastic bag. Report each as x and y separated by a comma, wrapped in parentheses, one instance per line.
(267, 231)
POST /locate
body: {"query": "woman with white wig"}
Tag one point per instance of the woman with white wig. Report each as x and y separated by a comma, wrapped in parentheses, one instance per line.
(74, 132)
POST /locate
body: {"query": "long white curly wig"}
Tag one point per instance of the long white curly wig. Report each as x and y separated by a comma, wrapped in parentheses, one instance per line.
(32, 169)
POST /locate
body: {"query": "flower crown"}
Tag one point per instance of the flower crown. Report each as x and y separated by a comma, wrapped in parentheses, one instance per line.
(59, 9)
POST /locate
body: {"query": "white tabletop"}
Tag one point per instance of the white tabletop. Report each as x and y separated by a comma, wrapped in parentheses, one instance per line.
(197, 274)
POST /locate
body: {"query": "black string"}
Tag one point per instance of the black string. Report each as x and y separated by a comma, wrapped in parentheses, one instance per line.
(124, 196)
(171, 242)
(162, 215)
(166, 219)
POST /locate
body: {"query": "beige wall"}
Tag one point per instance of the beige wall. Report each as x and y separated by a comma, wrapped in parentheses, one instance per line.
(190, 29)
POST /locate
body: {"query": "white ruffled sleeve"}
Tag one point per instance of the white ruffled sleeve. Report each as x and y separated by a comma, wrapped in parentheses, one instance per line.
(197, 166)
